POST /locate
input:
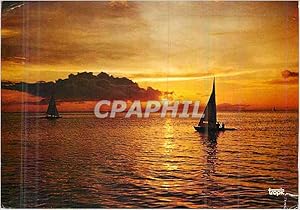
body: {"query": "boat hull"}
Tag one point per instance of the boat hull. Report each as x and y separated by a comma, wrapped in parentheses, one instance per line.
(52, 117)
(202, 129)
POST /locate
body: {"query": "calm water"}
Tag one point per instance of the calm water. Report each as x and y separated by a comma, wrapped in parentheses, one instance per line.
(82, 161)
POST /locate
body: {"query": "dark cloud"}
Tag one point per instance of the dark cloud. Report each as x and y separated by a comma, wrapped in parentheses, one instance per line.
(288, 77)
(86, 86)
(287, 74)
(98, 33)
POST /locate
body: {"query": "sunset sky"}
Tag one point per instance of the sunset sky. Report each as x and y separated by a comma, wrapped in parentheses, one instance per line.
(250, 47)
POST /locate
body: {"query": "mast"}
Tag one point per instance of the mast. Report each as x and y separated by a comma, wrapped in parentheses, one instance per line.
(209, 115)
(52, 110)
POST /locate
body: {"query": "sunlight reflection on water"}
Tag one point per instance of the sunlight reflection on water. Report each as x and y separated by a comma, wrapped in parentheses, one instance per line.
(82, 161)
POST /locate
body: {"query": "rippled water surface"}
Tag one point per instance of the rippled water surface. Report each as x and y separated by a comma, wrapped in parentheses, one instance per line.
(82, 161)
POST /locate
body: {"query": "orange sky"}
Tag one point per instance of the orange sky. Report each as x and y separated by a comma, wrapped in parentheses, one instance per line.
(247, 46)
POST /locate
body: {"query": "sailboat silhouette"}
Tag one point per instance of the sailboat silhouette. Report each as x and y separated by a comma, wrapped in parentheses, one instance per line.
(52, 112)
(208, 121)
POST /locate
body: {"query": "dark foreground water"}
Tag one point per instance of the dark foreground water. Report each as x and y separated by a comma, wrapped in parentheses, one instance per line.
(82, 161)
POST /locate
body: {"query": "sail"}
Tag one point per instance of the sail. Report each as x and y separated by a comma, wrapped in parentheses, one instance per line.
(210, 112)
(52, 110)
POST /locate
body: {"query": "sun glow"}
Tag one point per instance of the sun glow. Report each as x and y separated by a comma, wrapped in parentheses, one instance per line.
(178, 55)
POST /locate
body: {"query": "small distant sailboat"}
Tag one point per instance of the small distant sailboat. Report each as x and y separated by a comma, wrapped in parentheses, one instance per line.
(274, 109)
(52, 112)
(208, 121)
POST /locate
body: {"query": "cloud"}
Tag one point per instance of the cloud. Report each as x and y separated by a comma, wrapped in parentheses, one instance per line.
(136, 36)
(115, 31)
(293, 81)
(163, 77)
(170, 48)
(288, 77)
(232, 107)
(10, 97)
(86, 86)
(287, 74)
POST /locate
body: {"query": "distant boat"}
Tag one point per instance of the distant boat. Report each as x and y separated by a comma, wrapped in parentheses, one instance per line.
(274, 110)
(52, 112)
(208, 121)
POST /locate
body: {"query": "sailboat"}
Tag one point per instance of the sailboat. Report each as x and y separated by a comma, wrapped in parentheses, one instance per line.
(208, 121)
(52, 112)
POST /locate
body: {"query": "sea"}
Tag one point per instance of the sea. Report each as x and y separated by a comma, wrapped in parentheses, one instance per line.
(80, 161)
